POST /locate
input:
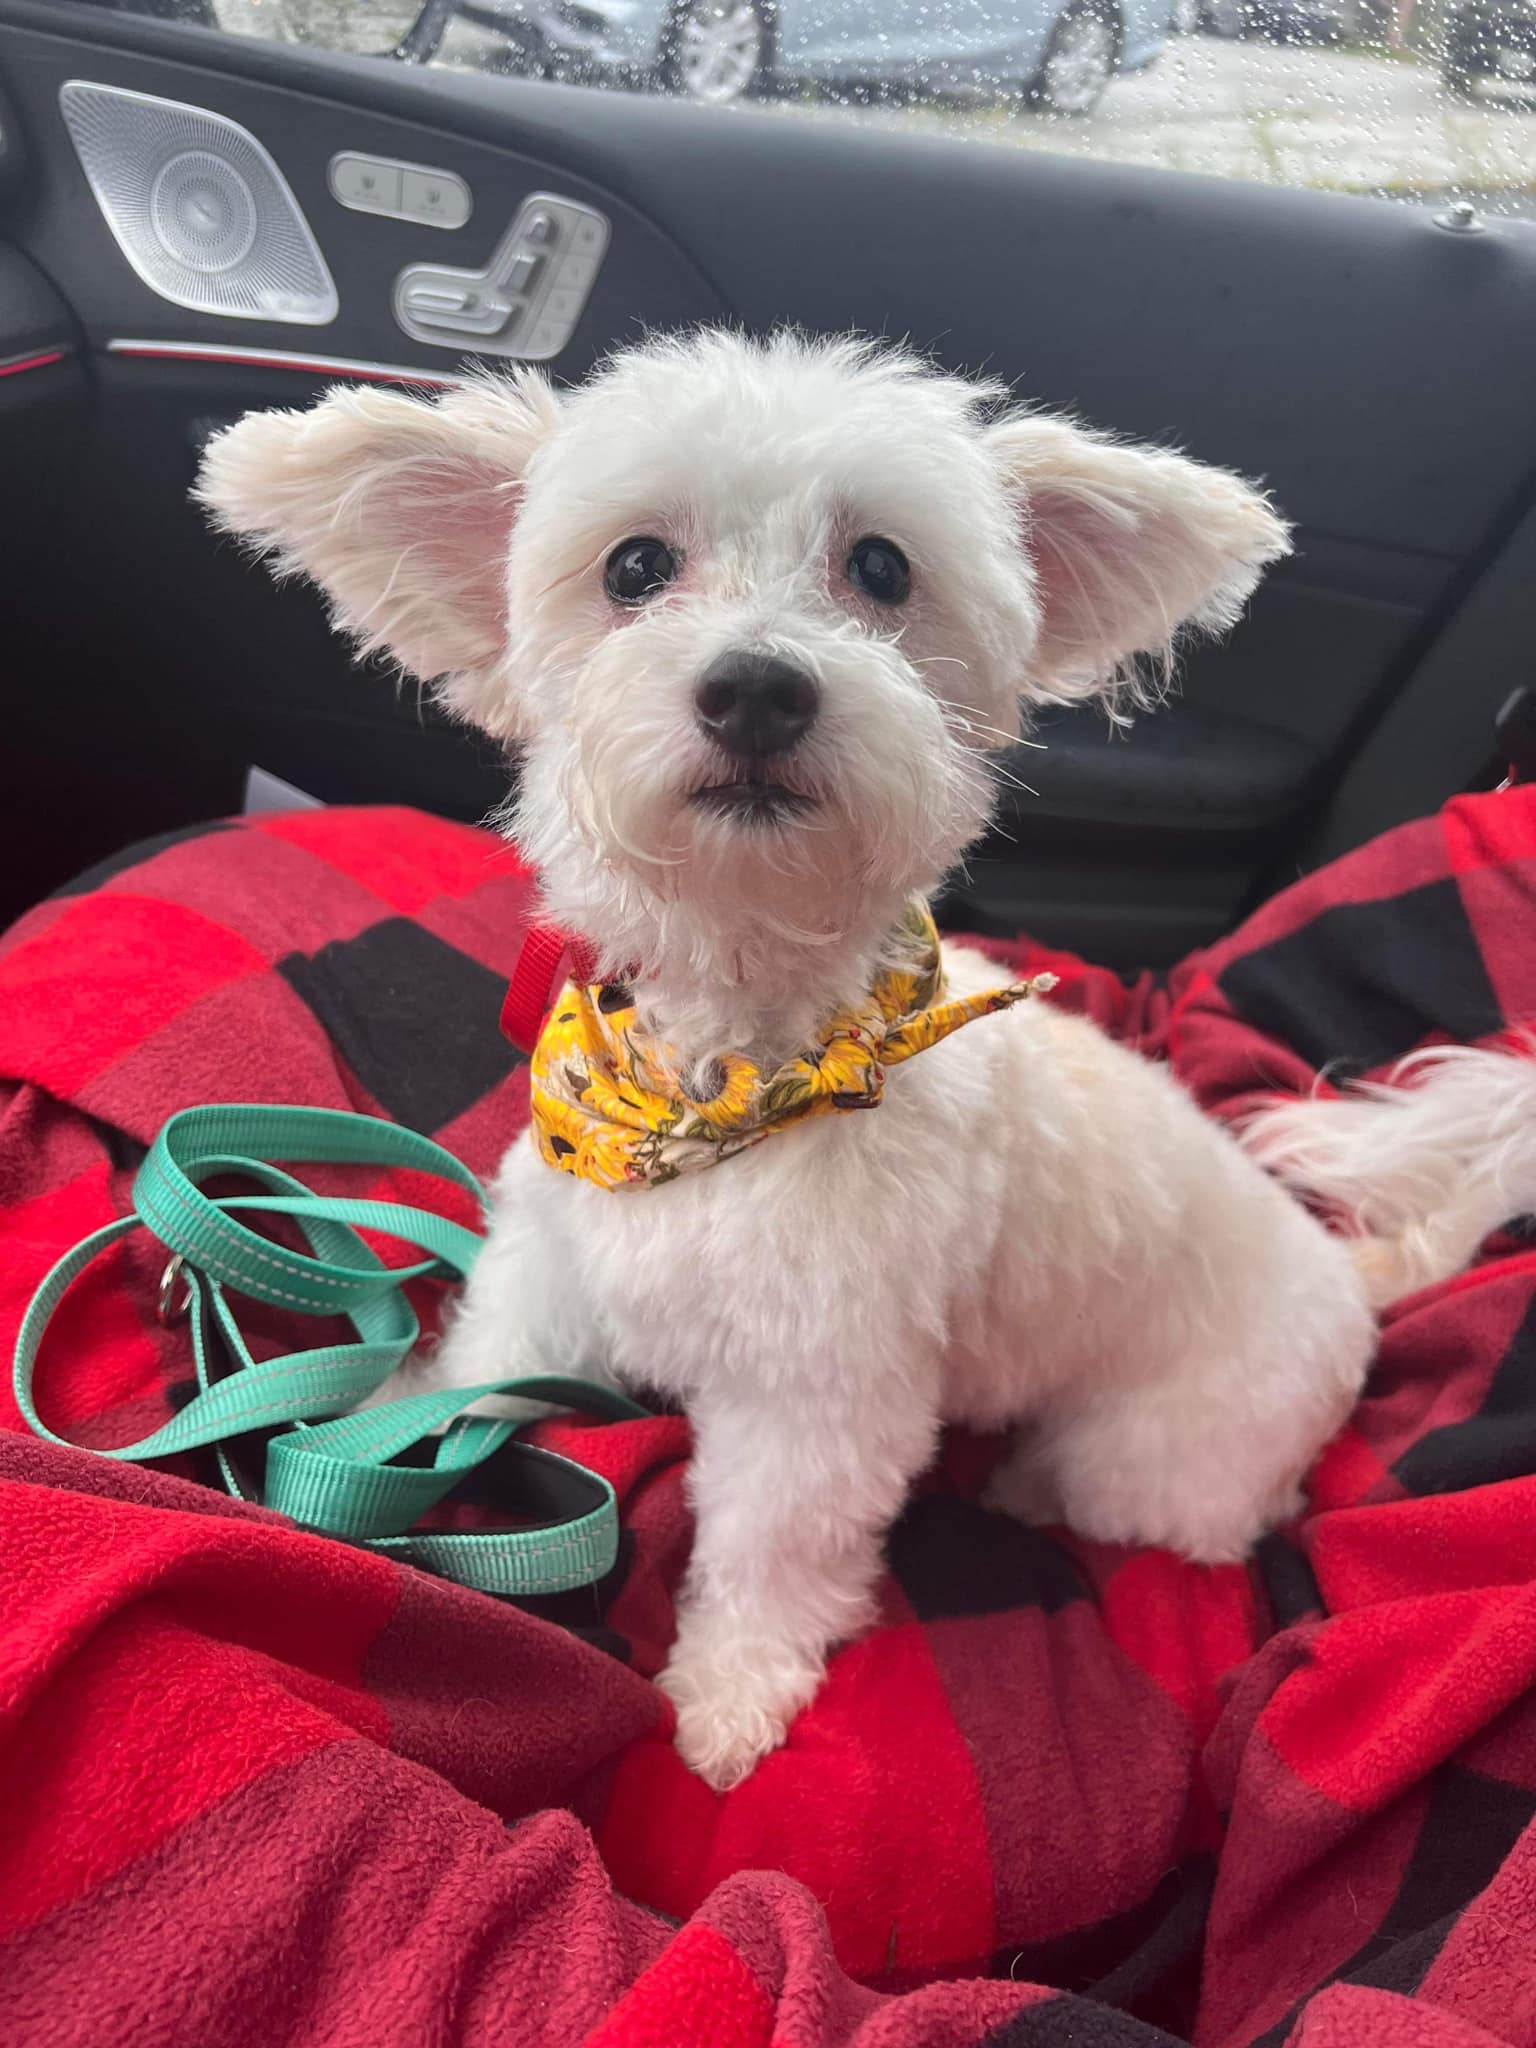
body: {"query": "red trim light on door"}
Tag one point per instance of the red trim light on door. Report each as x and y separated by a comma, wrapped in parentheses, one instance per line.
(342, 368)
(15, 365)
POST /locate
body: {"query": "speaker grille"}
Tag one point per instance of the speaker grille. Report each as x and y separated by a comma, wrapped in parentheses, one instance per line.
(198, 207)
(203, 212)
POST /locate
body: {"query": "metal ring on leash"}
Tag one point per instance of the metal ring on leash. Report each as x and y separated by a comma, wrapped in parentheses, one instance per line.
(167, 1307)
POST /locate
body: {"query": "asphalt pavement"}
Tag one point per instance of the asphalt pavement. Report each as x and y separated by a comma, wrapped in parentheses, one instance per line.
(1330, 119)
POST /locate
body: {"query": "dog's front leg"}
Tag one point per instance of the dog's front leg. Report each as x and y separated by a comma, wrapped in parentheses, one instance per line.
(793, 1491)
(523, 1310)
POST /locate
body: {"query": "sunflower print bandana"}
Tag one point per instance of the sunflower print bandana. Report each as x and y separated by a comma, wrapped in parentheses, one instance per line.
(607, 1107)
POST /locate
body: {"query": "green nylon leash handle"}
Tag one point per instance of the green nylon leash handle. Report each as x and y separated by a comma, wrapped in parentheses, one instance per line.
(200, 1143)
(338, 1476)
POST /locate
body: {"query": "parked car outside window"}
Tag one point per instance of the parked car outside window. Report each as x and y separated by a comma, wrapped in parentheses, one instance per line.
(1428, 101)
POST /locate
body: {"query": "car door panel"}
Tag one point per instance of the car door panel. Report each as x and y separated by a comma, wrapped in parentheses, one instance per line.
(43, 390)
(1302, 338)
(816, 42)
(646, 280)
(950, 35)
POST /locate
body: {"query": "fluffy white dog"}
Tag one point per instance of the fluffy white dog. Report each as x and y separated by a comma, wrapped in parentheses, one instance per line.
(756, 613)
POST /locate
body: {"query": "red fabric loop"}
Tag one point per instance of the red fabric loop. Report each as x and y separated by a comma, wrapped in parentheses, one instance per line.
(534, 979)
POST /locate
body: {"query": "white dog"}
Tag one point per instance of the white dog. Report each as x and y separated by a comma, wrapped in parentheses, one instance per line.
(756, 613)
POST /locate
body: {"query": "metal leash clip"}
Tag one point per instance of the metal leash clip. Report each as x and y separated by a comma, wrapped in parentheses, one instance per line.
(167, 1307)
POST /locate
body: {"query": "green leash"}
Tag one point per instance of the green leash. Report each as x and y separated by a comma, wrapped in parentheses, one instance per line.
(338, 1477)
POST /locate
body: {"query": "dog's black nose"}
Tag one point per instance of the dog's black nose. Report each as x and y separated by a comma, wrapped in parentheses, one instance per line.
(756, 705)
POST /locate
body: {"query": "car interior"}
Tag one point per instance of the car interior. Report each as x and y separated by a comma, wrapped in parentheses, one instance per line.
(1371, 363)
(378, 1756)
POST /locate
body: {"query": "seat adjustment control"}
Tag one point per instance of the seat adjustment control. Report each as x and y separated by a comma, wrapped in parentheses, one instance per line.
(527, 300)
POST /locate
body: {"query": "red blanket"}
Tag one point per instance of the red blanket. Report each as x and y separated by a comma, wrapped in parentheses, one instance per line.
(258, 1787)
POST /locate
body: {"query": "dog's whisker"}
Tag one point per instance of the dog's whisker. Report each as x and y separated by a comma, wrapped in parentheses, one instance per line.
(980, 732)
(1011, 739)
(1014, 782)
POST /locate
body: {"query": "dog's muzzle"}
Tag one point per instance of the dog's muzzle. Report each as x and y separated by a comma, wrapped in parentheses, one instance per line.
(755, 706)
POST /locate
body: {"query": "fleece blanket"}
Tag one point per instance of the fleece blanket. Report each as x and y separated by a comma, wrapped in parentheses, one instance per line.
(260, 1787)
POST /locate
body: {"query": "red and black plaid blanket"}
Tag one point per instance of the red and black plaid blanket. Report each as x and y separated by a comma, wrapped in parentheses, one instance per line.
(259, 1787)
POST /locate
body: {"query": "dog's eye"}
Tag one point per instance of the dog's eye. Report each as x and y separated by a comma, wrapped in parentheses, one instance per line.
(637, 569)
(879, 569)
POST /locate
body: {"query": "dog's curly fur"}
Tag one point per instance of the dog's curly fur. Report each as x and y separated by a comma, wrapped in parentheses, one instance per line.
(1037, 1228)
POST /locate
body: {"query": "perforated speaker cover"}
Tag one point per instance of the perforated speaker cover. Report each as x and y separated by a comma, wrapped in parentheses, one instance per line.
(198, 207)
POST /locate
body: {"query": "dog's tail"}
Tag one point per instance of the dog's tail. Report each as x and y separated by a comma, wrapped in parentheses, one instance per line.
(1420, 1170)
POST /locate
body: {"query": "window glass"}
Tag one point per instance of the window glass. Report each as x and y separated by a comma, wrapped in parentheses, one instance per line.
(1425, 101)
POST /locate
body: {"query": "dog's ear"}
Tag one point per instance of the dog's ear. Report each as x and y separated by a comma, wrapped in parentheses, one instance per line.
(1129, 545)
(399, 508)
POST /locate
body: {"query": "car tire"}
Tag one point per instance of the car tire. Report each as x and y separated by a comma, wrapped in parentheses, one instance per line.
(425, 37)
(1186, 17)
(717, 51)
(1081, 58)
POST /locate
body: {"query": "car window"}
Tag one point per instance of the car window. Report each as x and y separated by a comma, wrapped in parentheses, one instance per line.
(1427, 101)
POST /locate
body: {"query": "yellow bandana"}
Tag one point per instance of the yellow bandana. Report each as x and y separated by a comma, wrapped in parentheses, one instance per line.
(606, 1108)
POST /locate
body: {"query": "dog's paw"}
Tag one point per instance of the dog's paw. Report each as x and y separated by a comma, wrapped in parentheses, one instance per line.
(730, 1715)
(724, 1741)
